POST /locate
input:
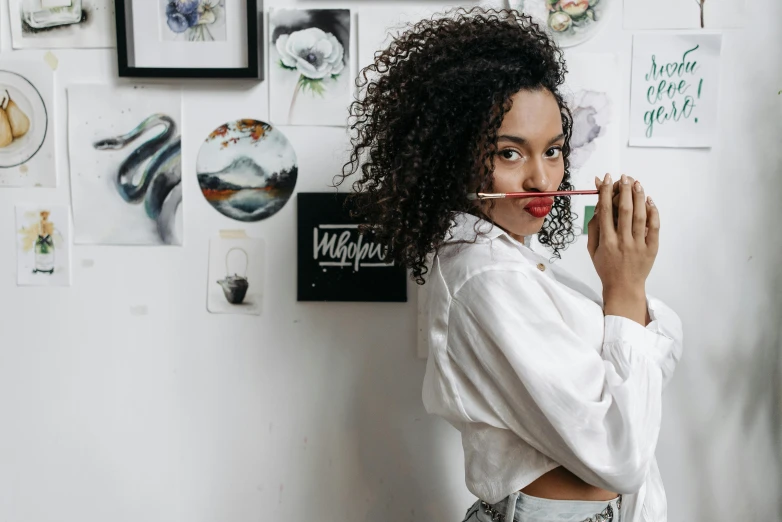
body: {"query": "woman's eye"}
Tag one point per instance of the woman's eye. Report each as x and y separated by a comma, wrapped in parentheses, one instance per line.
(554, 152)
(510, 154)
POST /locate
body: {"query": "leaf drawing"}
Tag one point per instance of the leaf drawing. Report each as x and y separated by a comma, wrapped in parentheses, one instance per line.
(700, 4)
(253, 130)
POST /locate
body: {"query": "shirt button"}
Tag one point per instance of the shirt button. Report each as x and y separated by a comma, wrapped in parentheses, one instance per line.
(541, 267)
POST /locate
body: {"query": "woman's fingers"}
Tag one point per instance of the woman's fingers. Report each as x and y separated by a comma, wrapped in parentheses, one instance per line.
(615, 206)
(603, 210)
(624, 225)
(653, 225)
(593, 228)
(639, 213)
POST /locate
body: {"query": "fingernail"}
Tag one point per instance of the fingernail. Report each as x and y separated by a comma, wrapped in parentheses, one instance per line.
(597, 182)
(651, 202)
(637, 186)
(607, 179)
(624, 179)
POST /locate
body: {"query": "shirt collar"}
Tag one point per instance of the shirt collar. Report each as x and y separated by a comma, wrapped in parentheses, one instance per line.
(464, 227)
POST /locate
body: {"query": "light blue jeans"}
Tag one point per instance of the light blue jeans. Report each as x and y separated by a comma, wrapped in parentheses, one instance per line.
(536, 509)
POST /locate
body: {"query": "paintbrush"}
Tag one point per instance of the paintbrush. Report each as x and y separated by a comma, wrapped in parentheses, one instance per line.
(503, 195)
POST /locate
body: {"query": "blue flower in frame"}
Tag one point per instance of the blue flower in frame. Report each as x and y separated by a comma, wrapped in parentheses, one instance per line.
(179, 21)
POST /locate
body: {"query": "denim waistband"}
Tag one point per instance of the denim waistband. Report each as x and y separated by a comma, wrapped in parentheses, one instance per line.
(527, 508)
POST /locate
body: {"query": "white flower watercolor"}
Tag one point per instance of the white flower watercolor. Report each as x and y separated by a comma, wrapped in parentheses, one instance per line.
(315, 54)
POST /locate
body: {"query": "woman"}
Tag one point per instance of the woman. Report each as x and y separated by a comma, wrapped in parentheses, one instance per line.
(555, 389)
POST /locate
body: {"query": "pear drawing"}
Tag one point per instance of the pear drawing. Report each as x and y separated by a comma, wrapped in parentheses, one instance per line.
(6, 134)
(19, 121)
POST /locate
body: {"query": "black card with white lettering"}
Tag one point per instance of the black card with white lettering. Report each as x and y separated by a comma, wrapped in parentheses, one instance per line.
(336, 263)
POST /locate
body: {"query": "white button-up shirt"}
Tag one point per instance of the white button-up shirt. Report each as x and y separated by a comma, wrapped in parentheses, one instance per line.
(525, 365)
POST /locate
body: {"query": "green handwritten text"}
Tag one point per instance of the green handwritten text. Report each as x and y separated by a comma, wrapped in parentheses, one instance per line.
(668, 91)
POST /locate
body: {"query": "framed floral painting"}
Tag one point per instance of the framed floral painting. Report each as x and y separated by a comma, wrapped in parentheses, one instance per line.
(189, 38)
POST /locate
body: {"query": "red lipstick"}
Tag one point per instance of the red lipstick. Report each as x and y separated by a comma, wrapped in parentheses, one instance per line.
(539, 207)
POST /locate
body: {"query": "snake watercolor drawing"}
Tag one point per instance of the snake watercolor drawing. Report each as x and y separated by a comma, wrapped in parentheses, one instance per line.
(159, 181)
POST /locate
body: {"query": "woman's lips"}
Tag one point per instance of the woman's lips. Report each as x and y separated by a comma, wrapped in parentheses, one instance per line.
(539, 207)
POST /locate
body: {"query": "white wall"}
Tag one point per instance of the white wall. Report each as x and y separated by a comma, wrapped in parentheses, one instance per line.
(312, 411)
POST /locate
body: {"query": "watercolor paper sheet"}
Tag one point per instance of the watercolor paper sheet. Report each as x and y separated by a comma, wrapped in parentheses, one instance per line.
(58, 24)
(378, 25)
(422, 322)
(126, 164)
(236, 276)
(26, 130)
(689, 14)
(592, 92)
(310, 81)
(247, 169)
(674, 90)
(43, 245)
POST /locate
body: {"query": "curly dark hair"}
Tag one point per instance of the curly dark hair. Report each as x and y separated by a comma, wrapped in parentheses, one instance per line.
(424, 129)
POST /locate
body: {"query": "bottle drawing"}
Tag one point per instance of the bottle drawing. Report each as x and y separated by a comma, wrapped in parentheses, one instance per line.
(44, 246)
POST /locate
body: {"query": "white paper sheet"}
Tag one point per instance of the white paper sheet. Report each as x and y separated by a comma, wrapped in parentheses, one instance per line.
(235, 264)
(422, 324)
(378, 25)
(294, 98)
(683, 14)
(674, 90)
(99, 112)
(593, 94)
(43, 247)
(28, 160)
(95, 29)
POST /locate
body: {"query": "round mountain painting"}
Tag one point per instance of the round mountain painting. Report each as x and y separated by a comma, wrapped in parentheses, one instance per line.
(247, 169)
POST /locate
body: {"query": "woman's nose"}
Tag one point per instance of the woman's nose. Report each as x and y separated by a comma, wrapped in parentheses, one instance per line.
(537, 178)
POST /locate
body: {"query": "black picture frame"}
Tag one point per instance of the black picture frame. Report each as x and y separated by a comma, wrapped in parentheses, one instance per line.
(253, 71)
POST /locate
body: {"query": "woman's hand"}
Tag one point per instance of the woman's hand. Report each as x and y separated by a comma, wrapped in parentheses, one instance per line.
(623, 251)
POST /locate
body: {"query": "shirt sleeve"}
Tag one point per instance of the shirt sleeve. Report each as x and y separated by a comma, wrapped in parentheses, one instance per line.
(518, 364)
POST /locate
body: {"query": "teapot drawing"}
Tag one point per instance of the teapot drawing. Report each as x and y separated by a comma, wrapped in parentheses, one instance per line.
(235, 286)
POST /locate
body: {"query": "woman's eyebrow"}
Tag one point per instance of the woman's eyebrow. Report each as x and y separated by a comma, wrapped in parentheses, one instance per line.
(561, 136)
(515, 139)
(522, 141)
